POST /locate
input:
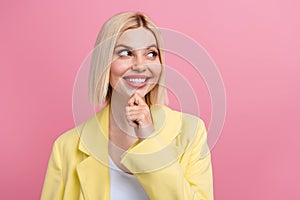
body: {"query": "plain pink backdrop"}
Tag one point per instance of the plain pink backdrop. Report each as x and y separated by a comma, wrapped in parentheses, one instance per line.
(255, 45)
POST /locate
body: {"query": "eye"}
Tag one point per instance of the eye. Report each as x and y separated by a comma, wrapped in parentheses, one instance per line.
(124, 52)
(152, 54)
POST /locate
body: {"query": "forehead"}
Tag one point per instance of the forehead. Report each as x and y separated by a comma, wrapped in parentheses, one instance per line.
(138, 38)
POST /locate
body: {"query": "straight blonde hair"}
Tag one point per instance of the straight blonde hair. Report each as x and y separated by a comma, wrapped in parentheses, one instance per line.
(100, 90)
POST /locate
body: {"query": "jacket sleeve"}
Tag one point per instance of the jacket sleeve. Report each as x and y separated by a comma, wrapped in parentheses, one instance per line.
(198, 175)
(53, 184)
(188, 178)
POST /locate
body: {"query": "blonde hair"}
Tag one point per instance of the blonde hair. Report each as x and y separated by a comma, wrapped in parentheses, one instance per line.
(99, 88)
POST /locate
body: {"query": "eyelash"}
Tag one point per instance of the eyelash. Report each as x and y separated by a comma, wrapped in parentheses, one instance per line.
(129, 53)
(154, 53)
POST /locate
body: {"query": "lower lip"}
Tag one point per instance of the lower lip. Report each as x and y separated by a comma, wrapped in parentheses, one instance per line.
(136, 85)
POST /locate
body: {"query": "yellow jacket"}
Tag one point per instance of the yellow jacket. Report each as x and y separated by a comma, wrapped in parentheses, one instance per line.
(173, 164)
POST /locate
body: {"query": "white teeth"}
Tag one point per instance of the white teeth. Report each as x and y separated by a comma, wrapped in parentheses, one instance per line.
(137, 80)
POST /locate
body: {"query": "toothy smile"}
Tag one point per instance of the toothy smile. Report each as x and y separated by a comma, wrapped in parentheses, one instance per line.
(136, 81)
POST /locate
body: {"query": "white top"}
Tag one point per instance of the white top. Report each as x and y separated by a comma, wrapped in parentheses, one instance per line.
(124, 186)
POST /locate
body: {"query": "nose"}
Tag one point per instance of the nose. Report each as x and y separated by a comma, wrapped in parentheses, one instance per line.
(139, 64)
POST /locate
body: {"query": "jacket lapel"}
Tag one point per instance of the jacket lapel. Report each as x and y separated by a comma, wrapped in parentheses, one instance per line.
(94, 179)
(93, 172)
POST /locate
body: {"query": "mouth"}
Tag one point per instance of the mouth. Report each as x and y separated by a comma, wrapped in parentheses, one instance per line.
(136, 81)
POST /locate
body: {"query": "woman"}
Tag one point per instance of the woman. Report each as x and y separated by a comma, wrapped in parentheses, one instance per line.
(135, 147)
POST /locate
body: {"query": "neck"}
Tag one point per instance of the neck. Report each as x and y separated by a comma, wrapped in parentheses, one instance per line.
(118, 122)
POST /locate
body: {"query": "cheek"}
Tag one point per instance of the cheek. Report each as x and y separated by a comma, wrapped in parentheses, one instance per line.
(157, 71)
(117, 69)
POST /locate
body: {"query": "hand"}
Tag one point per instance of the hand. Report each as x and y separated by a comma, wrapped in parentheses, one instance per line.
(138, 116)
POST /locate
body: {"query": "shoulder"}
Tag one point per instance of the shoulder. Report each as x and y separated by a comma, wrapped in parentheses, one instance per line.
(68, 137)
(186, 119)
(193, 133)
(73, 135)
(193, 129)
(186, 126)
(68, 141)
(71, 141)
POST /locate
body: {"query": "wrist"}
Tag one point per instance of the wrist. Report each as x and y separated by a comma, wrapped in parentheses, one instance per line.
(142, 132)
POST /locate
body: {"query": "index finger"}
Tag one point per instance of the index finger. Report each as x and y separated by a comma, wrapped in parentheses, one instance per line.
(136, 99)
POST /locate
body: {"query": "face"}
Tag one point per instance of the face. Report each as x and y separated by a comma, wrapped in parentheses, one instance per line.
(136, 66)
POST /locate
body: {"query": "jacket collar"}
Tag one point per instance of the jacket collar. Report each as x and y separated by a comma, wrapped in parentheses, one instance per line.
(94, 135)
(94, 132)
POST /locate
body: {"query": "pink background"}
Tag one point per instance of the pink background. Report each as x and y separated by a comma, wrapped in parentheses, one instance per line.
(254, 43)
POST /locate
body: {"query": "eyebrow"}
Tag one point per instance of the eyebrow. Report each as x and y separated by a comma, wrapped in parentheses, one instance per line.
(131, 48)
